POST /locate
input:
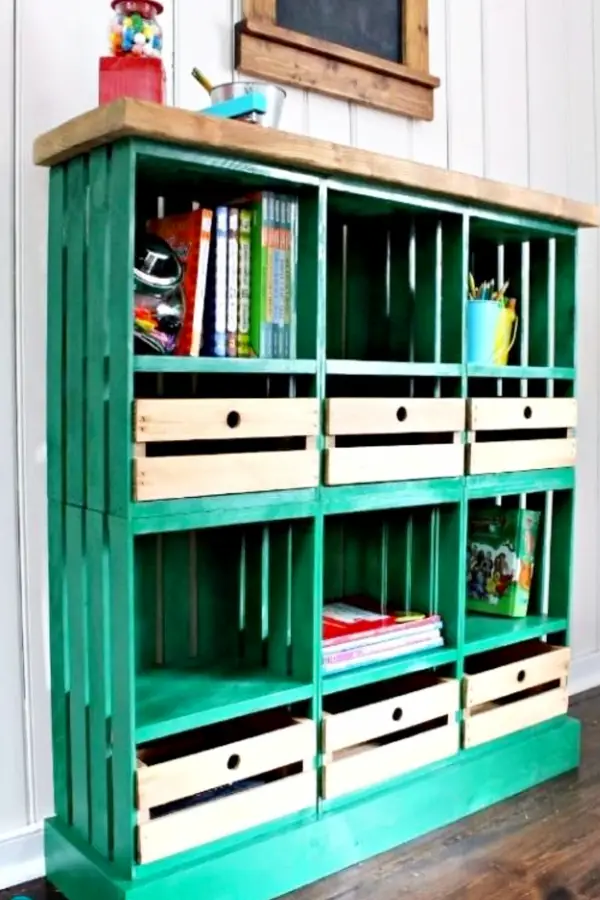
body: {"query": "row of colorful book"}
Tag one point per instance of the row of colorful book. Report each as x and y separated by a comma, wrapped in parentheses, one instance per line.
(239, 286)
(356, 634)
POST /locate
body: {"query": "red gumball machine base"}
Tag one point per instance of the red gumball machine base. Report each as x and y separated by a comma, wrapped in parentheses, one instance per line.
(131, 76)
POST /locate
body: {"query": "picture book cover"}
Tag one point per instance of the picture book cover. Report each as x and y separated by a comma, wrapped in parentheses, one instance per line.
(500, 560)
(189, 235)
(351, 616)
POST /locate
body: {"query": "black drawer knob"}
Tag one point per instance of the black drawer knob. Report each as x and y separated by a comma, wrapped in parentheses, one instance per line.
(233, 419)
(233, 762)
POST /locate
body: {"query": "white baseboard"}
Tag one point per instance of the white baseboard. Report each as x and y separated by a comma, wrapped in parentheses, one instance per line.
(22, 853)
(22, 856)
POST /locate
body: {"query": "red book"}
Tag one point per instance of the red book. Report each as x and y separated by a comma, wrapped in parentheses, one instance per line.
(189, 235)
(351, 616)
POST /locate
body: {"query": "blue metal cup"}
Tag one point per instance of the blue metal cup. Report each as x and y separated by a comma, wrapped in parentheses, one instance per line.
(482, 323)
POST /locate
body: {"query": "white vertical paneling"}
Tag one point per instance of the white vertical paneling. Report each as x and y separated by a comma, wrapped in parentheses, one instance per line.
(430, 139)
(203, 38)
(328, 119)
(465, 89)
(168, 25)
(504, 68)
(547, 92)
(582, 184)
(13, 797)
(294, 117)
(382, 132)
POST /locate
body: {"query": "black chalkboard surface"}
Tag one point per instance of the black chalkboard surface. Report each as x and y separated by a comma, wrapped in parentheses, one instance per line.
(373, 26)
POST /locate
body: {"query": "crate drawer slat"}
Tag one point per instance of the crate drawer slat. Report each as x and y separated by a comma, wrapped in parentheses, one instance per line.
(551, 664)
(384, 415)
(216, 819)
(380, 718)
(177, 477)
(488, 724)
(223, 419)
(521, 456)
(499, 413)
(367, 765)
(182, 777)
(361, 465)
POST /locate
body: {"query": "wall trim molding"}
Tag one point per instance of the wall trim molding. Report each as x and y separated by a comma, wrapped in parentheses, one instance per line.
(22, 856)
(585, 673)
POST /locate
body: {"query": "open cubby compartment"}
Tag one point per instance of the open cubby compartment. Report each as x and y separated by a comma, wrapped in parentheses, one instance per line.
(224, 623)
(374, 733)
(402, 559)
(550, 583)
(394, 280)
(177, 181)
(197, 435)
(393, 429)
(531, 426)
(206, 784)
(538, 259)
(513, 688)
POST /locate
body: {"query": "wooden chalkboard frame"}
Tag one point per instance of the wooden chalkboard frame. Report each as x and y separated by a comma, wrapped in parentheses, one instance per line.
(266, 50)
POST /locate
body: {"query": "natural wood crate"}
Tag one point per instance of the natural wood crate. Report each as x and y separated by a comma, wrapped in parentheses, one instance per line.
(354, 756)
(507, 414)
(521, 686)
(176, 477)
(348, 416)
(165, 776)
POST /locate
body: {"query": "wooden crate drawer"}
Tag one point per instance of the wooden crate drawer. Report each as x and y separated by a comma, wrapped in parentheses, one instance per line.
(184, 783)
(350, 418)
(372, 734)
(513, 688)
(501, 417)
(283, 431)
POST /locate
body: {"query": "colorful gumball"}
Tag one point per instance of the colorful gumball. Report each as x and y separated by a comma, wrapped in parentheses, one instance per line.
(135, 28)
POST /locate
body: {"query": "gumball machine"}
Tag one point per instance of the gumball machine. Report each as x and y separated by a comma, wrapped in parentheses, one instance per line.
(134, 67)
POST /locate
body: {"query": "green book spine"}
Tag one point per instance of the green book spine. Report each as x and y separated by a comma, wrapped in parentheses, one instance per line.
(261, 294)
(291, 269)
(245, 253)
(279, 276)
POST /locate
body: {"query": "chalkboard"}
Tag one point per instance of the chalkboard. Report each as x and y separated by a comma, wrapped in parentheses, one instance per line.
(373, 26)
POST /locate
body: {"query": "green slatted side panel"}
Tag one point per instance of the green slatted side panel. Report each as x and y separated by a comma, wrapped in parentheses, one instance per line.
(59, 635)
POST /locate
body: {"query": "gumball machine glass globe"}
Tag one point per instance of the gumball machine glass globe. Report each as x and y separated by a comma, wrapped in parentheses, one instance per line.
(135, 29)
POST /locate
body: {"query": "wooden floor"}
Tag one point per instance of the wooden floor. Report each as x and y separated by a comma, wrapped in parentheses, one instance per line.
(542, 844)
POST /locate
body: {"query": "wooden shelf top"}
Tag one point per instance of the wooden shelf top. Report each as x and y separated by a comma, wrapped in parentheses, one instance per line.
(140, 119)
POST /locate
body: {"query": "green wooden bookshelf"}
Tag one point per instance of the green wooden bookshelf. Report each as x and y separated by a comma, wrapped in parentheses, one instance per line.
(186, 592)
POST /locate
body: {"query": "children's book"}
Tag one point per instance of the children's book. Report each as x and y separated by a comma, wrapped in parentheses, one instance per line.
(356, 616)
(232, 280)
(188, 234)
(244, 253)
(500, 560)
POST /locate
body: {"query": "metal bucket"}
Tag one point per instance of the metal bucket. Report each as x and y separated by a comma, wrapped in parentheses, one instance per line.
(274, 97)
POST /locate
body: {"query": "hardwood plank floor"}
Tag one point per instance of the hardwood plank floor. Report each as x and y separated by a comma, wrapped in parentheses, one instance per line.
(542, 844)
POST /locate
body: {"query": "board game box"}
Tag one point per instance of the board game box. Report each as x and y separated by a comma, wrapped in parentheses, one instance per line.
(500, 562)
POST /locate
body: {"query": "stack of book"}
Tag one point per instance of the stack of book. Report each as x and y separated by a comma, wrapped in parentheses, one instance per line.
(240, 263)
(355, 634)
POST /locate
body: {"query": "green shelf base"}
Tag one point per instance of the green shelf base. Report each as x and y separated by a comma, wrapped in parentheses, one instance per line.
(491, 632)
(169, 701)
(268, 865)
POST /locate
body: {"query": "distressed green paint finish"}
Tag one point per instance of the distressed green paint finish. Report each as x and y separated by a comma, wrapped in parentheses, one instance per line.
(77, 602)
(342, 837)
(56, 350)
(74, 335)
(176, 597)
(59, 661)
(100, 672)
(120, 314)
(97, 326)
(223, 366)
(122, 634)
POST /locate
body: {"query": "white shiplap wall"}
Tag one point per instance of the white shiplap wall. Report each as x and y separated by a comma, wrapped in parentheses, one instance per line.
(519, 102)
